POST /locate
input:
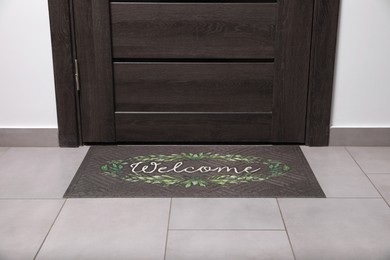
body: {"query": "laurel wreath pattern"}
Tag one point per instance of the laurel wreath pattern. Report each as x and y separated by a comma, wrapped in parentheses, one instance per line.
(115, 169)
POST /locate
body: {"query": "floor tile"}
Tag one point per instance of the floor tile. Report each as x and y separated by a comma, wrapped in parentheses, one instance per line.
(225, 213)
(24, 225)
(372, 159)
(38, 172)
(337, 172)
(348, 229)
(109, 229)
(227, 245)
(382, 183)
(3, 150)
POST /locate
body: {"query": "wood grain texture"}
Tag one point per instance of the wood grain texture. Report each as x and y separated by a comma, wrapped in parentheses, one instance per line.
(66, 99)
(93, 40)
(293, 40)
(193, 30)
(183, 127)
(193, 87)
(325, 24)
(92, 27)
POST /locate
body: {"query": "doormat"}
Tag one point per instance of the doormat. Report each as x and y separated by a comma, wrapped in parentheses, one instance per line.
(194, 171)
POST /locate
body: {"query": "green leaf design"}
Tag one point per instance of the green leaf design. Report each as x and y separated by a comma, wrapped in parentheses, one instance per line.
(115, 168)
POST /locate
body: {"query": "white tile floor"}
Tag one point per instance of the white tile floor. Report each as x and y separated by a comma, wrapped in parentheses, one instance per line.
(353, 222)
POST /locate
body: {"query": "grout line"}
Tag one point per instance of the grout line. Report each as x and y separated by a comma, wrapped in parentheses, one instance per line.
(199, 229)
(55, 219)
(354, 198)
(365, 174)
(107, 198)
(169, 221)
(369, 173)
(31, 199)
(104, 198)
(353, 158)
(285, 227)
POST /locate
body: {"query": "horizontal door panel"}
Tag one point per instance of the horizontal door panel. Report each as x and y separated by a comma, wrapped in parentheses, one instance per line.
(193, 127)
(193, 30)
(193, 87)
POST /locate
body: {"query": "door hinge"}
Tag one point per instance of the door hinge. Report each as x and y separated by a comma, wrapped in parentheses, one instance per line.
(76, 74)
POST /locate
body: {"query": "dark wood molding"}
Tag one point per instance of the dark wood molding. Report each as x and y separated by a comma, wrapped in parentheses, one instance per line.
(292, 61)
(323, 52)
(93, 40)
(66, 96)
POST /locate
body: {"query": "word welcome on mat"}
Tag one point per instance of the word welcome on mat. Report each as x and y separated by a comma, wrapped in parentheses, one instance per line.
(140, 167)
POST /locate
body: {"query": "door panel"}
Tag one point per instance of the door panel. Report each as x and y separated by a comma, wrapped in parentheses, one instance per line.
(193, 87)
(198, 30)
(193, 127)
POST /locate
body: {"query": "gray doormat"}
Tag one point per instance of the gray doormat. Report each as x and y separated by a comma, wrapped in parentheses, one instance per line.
(194, 171)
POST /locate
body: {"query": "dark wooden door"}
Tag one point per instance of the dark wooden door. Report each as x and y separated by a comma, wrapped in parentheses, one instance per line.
(193, 72)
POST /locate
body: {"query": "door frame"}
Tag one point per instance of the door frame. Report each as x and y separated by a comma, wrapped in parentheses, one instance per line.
(320, 83)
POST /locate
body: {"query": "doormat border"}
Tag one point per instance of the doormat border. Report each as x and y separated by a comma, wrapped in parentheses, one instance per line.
(84, 165)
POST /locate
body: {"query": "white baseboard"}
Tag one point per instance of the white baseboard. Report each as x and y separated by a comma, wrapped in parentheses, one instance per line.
(340, 136)
(33, 137)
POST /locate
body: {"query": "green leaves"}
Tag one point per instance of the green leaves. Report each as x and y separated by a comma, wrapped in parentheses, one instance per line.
(166, 180)
(233, 179)
(194, 182)
(157, 179)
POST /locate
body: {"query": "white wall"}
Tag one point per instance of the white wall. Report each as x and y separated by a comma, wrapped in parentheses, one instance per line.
(362, 80)
(27, 98)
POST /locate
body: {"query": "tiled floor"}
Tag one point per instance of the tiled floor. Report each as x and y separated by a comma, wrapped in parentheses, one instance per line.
(353, 222)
